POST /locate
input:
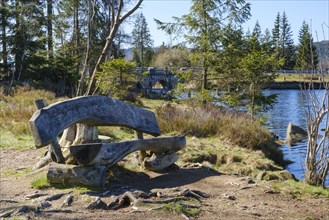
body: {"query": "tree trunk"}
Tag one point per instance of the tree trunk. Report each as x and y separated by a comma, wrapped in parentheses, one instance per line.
(76, 175)
(50, 28)
(85, 134)
(86, 64)
(18, 41)
(4, 37)
(118, 19)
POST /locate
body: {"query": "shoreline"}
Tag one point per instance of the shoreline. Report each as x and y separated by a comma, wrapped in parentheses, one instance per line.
(294, 85)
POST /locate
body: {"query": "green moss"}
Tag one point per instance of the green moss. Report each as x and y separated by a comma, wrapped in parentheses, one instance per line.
(300, 189)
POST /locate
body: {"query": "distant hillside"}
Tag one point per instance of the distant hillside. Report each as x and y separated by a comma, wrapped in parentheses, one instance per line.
(322, 49)
(129, 53)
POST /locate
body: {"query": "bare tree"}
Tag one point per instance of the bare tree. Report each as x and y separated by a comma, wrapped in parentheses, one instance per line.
(117, 19)
(81, 133)
(317, 113)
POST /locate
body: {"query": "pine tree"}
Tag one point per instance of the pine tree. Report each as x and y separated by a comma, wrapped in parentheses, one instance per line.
(287, 44)
(267, 42)
(307, 58)
(203, 25)
(283, 42)
(142, 42)
(233, 49)
(276, 35)
(28, 37)
(257, 71)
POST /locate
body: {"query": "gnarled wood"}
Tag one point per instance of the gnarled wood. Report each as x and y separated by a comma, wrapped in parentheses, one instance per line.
(47, 123)
(53, 145)
(160, 161)
(110, 153)
(72, 174)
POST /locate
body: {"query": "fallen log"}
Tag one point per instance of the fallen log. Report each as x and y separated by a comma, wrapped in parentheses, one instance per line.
(110, 153)
(160, 161)
(47, 123)
(76, 175)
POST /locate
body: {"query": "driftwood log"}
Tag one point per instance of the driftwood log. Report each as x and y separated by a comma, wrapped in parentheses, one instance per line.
(47, 123)
(76, 175)
(54, 147)
(110, 153)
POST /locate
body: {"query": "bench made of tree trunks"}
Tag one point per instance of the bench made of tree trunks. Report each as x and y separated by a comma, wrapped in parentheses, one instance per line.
(48, 122)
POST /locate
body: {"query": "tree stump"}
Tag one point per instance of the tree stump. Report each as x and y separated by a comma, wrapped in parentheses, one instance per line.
(76, 175)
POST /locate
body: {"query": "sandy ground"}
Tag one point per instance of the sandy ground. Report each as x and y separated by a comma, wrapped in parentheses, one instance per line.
(230, 196)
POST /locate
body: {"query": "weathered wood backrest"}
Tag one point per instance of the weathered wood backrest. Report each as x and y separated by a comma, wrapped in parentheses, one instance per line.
(47, 123)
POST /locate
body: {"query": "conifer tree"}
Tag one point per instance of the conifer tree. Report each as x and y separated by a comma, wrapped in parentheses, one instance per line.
(276, 36)
(202, 26)
(142, 42)
(287, 44)
(283, 42)
(307, 58)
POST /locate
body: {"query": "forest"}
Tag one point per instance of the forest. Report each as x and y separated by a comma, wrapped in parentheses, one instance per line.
(60, 45)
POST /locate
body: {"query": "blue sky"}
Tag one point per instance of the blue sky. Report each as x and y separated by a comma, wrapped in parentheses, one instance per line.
(314, 12)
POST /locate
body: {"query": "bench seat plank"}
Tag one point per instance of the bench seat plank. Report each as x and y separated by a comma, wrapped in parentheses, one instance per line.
(47, 123)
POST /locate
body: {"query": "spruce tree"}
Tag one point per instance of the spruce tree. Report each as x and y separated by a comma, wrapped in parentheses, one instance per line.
(142, 42)
(201, 28)
(267, 42)
(287, 51)
(276, 35)
(307, 58)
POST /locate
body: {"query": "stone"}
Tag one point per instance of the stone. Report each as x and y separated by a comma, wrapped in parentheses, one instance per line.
(47, 123)
(295, 134)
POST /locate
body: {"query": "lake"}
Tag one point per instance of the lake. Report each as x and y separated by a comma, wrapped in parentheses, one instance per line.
(290, 108)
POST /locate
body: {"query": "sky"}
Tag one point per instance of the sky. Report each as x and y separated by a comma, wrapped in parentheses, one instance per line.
(314, 12)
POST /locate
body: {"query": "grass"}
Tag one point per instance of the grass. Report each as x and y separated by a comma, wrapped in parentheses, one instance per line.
(299, 78)
(300, 189)
(14, 172)
(117, 133)
(220, 156)
(15, 112)
(178, 208)
(11, 140)
(236, 129)
(40, 183)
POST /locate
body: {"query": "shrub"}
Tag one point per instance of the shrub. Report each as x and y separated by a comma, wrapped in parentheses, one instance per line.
(236, 128)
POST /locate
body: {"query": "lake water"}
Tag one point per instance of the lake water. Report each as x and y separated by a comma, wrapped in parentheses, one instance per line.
(290, 108)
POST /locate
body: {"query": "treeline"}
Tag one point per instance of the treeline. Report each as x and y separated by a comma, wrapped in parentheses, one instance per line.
(59, 43)
(53, 42)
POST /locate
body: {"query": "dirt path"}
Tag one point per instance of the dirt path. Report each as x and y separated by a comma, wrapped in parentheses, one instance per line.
(231, 196)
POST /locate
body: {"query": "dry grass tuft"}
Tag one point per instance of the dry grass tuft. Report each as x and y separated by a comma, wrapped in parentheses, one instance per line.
(236, 128)
(17, 109)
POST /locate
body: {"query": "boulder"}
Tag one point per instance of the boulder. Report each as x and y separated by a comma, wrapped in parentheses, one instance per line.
(295, 134)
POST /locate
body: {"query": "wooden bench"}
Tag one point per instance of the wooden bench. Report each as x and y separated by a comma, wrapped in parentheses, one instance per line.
(49, 122)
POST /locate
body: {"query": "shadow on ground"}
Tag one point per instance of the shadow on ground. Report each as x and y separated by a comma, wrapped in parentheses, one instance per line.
(147, 181)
